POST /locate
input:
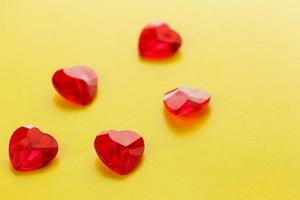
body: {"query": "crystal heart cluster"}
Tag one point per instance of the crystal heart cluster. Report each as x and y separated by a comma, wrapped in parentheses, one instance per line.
(120, 151)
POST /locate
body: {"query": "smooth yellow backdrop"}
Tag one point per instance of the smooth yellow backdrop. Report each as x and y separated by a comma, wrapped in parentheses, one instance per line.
(245, 53)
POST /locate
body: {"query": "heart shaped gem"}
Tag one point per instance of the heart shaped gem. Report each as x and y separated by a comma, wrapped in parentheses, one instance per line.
(121, 151)
(158, 41)
(31, 149)
(184, 100)
(77, 84)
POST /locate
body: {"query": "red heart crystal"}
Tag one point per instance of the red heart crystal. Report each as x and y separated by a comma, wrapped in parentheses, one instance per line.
(121, 151)
(31, 149)
(159, 41)
(184, 100)
(77, 84)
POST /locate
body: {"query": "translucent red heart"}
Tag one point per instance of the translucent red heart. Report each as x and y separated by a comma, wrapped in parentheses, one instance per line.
(158, 41)
(76, 84)
(31, 149)
(120, 151)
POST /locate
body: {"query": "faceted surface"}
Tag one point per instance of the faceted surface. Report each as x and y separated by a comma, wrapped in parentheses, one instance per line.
(31, 149)
(77, 84)
(121, 151)
(158, 41)
(184, 100)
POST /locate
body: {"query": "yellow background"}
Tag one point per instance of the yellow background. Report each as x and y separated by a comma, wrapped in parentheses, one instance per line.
(245, 53)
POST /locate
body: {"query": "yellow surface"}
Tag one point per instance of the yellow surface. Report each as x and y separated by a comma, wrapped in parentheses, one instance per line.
(245, 53)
